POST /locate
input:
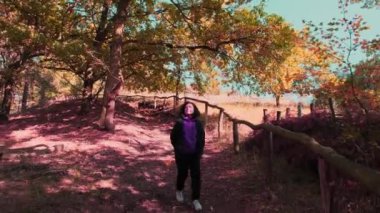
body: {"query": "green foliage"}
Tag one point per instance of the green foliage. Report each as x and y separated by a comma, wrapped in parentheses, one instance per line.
(213, 42)
(45, 86)
(69, 84)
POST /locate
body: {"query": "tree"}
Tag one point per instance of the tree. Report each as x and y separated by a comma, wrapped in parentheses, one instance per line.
(343, 38)
(367, 75)
(115, 79)
(256, 68)
(84, 49)
(299, 73)
(130, 40)
(367, 3)
(29, 28)
(195, 26)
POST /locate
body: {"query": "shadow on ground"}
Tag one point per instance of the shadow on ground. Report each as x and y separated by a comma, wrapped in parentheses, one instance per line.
(111, 179)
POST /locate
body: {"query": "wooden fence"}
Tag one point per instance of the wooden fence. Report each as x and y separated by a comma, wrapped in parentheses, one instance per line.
(328, 157)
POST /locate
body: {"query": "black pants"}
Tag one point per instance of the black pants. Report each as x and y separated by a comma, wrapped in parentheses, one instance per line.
(184, 163)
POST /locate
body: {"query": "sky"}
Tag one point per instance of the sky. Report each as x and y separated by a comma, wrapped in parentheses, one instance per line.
(294, 11)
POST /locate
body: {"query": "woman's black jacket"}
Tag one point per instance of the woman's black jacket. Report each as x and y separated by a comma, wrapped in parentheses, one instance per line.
(176, 136)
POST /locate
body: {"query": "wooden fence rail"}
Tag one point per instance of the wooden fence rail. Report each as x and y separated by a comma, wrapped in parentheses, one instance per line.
(368, 177)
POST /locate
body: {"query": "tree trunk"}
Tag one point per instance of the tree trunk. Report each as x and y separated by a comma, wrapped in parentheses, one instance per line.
(179, 73)
(32, 88)
(176, 97)
(114, 81)
(277, 100)
(102, 117)
(112, 88)
(331, 105)
(87, 96)
(25, 95)
(100, 39)
(1, 89)
(42, 92)
(8, 98)
(352, 81)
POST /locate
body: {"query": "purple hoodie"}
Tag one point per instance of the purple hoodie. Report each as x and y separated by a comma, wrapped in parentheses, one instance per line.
(189, 135)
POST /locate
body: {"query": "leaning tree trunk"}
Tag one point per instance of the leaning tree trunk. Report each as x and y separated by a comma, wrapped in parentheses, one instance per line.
(25, 95)
(100, 38)
(112, 89)
(1, 89)
(8, 98)
(114, 78)
(102, 118)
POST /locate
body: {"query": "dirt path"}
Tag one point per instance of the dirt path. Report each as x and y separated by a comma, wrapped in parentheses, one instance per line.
(132, 170)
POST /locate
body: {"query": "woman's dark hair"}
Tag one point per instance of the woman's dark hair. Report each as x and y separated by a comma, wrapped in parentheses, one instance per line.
(196, 113)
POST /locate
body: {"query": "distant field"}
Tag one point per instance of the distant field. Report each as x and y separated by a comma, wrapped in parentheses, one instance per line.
(254, 113)
(241, 107)
(251, 112)
(224, 98)
(248, 108)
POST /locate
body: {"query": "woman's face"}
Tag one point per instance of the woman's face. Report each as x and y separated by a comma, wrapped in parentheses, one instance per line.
(189, 109)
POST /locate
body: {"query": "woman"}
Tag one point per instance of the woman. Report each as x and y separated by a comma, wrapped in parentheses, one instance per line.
(188, 140)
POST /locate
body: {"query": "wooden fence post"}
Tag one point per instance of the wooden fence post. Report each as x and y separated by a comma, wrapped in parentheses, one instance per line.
(220, 123)
(265, 116)
(312, 108)
(327, 198)
(331, 104)
(174, 103)
(268, 150)
(235, 133)
(206, 113)
(278, 117)
(287, 113)
(299, 110)
(2, 149)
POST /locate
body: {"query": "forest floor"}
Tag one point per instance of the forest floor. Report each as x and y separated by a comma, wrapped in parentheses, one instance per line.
(78, 168)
